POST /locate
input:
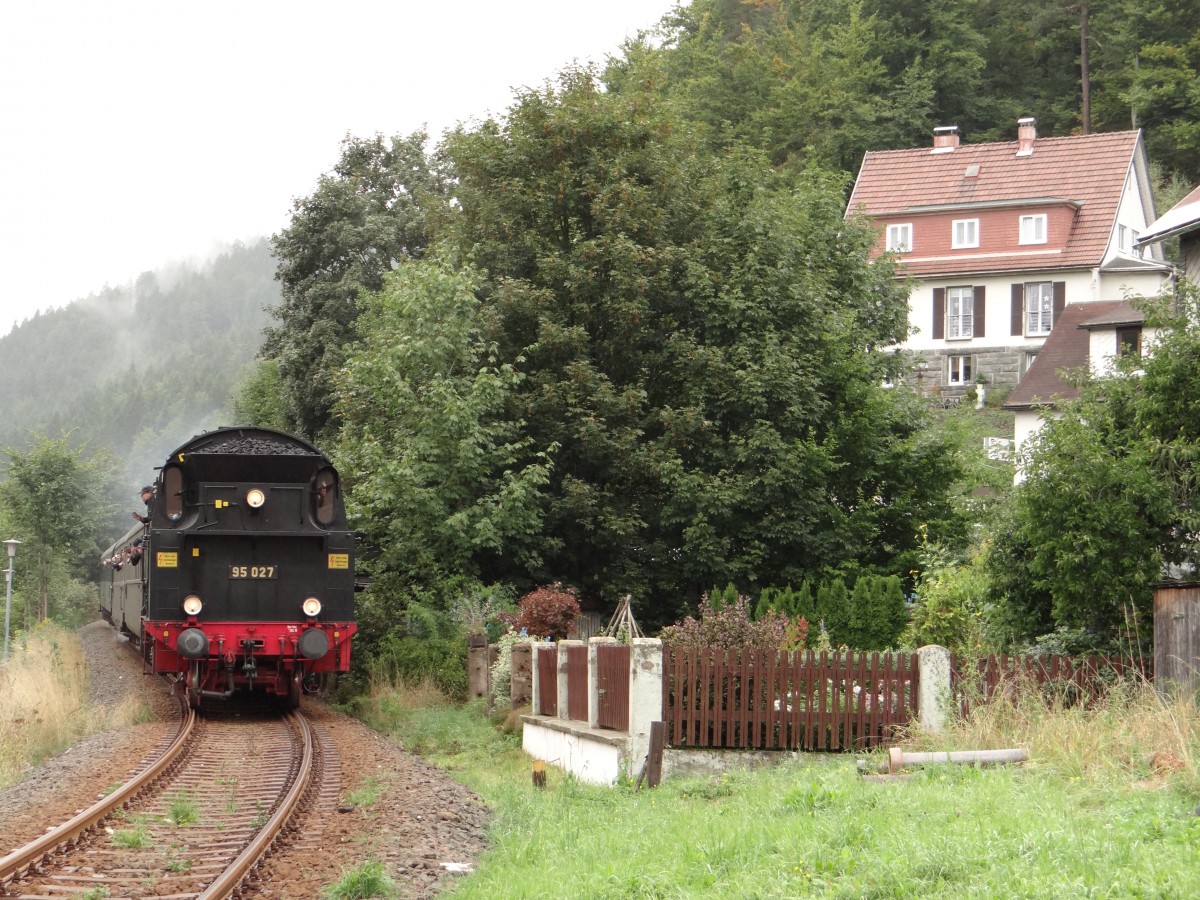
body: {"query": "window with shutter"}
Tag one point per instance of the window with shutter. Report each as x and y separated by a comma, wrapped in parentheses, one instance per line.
(939, 313)
(960, 311)
(1039, 308)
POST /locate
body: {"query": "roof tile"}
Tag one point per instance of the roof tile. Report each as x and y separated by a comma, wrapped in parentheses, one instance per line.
(1089, 170)
(1066, 349)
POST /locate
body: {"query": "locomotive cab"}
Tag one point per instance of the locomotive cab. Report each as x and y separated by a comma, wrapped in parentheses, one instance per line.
(250, 567)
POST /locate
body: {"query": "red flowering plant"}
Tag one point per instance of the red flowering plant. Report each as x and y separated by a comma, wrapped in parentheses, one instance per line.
(546, 612)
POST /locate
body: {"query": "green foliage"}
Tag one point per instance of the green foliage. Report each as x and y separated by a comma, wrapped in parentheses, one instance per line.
(406, 634)
(952, 608)
(877, 612)
(1109, 494)
(502, 667)
(833, 610)
(478, 610)
(183, 809)
(823, 83)
(54, 499)
(135, 838)
(371, 879)
(440, 481)
(259, 399)
(366, 794)
(697, 341)
(368, 216)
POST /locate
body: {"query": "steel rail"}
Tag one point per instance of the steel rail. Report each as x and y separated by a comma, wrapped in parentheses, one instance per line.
(229, 880)
(21, 858)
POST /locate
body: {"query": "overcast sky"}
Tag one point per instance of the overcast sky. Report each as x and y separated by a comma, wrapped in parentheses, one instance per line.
(133, 134)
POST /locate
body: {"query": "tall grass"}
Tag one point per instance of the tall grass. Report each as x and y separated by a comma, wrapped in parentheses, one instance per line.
(1131, 731)
(43, 701)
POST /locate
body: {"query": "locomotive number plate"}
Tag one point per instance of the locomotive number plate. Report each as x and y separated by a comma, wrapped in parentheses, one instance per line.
(255, 572)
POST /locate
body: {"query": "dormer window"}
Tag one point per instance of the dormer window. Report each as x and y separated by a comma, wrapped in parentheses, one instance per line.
(899, 238)
(1033, 229)
(965, 233)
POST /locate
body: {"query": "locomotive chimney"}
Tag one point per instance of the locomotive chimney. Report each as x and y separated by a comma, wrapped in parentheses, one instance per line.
(1026, 135)
(945, 138)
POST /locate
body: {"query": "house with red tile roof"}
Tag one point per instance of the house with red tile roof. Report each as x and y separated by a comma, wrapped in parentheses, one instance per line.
(1001, 239)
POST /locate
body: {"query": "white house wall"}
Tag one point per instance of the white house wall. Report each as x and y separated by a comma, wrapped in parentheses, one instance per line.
(1102, 349)
(1002, 356)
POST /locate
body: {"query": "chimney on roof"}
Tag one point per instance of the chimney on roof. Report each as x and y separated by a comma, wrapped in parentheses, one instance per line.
(945, 138)
(1026, 135)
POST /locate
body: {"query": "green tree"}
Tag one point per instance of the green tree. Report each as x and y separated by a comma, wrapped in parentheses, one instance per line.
(700, 341)
(372, 213)
(833, 610)
(1110, 494)
(259, 398)
(877, 612)
(54, 499)
(440, 481)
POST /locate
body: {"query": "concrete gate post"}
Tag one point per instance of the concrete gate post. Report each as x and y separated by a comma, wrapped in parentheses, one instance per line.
(934, 698)
(645, 696)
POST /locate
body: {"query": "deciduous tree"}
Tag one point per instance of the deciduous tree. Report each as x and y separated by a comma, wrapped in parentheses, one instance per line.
(366, 217)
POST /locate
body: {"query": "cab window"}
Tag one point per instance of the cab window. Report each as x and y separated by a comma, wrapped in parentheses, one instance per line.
(173, 490)
(326, 493)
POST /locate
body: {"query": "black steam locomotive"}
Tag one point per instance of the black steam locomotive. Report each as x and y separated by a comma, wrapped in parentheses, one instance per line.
(242, 577)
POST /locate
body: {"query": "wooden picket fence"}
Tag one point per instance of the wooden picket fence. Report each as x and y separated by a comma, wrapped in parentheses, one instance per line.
(778, 700)
(1085, 679)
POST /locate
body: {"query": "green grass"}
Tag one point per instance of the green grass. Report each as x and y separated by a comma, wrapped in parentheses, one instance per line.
(368, 880)
(1104, 809)
(814, 827)
(366, 794)
(184, 810)
(135, 838)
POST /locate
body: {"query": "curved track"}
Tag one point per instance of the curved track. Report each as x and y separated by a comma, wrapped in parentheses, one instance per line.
(195, 823)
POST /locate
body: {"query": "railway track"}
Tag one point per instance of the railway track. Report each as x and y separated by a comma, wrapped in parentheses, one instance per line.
(194, 823)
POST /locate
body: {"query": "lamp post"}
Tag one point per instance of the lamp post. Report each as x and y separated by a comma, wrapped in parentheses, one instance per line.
(11, 546)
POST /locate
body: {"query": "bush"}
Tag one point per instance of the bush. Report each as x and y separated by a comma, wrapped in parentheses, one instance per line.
(730, 626)
(549, 611)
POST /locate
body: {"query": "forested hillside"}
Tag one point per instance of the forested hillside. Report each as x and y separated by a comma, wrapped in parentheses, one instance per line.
(139, 368)
(825, 82)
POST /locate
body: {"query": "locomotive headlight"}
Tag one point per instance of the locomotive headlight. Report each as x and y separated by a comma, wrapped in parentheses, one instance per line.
(255, 498)
(312, 607)
(192, 605)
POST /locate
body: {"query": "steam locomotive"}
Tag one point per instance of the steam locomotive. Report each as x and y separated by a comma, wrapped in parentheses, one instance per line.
(242, 577)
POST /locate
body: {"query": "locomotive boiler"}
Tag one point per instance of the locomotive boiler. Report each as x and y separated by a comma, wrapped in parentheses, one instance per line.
(242, 577)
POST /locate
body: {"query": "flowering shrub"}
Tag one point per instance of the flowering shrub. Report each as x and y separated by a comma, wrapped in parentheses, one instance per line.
(548, 611)
(732, 625)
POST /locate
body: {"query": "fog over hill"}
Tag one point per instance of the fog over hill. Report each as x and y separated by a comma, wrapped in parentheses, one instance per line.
(140, 368)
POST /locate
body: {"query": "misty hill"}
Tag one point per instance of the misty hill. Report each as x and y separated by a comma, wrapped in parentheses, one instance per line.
(140, 368)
